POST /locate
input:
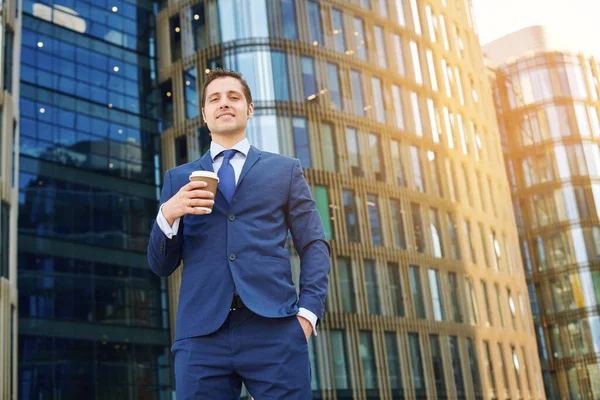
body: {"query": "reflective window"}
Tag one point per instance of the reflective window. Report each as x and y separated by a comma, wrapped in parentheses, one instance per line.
(486, 302)
(367, 358)
(337, 24)
(456, 366)
(314, 20)
(399, 54)
(383, 11)
(288, 19)
(418, 227)
(434, 168)
(418, 181)
(502, 362)
(323, 207)
(471, 301)
(181, 151)
(398, 163)
(572, 81)
(346, 284)
(249, 19)
(376, 159)
(378, 105)
(415, 17)
(453, 285)
(398, 107)
(280, 76)
(499, 304)
(352, 141)
(380, 43)
(438, 366)
(470, 248)
(360, 39)
(416, 364)
(417, 292)
(190, 93)
(397, 221)
(474, 365)
(309, 79)
(340, 366)
(432, 73)
(489, 368)
(414, 51)
(351, 215)
(374, 221)
(357, 93)
(416, 107)
(395, 282)
(196, 14)
(517, 367)
(430, 23)
(393, 363)
(436, 294)
(400, 19)
(334, 86)
(301, 145)
(453, 233)
(434, 229)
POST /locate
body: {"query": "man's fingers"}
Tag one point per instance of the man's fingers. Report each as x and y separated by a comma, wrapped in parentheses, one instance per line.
(201, 203)
(201, 194)
(195, 185)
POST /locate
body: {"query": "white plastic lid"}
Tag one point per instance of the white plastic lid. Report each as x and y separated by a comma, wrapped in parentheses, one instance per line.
(205, 174)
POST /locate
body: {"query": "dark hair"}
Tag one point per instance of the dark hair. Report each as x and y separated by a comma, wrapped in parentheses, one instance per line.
(222, 73)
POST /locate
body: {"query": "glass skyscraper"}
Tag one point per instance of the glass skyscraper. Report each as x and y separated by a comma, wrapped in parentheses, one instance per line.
(10, 26)
(388, 106)
(547, 106)
(93, 319)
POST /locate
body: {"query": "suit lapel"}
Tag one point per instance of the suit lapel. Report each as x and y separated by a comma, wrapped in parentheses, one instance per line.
(253, 156)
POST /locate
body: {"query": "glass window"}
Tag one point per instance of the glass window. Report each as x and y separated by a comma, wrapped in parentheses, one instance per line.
(378, 100)
(376, 161)
(417, 292)
(397, 220)
(340, 366)
(367, 358)
(323, 207)
(436, 295)
(572, 81)
(334, 86)
(399, 53)
(433, 121)
(314, 19)
(472, 301)
(517, 367)
(414, 51)
(398, 163)
(474, 364)
(416, 107)
(438, 366)
(357, 93)
(337, 24)
(512, 309)
(380, 43)
(434, 167)
(456, 366)
(450, 177)
(453, 285)
(489, 368)
(175, 31)
(432, 74)
(393, 362)
(418, 227)
(181, 152)
(346, 284)
(452, 232)
(416, 364)
(350, 212)
(488, 311)
(328, 146)
(309, 79)
(359, 37)
(470, 248)
(430, 23)
(353, 153)
(400, 19)
(398, 108)
(280, 77)
(434, 229)
(199, 31)
(415, 16)
(250, 20)
(374, 219)
(503, 367)
(383, 11)
(418, 182)
(499, 304)
(288, 19)
(301, 145)
(397, 298)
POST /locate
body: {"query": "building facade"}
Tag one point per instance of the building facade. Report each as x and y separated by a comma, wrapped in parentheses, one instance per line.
(388, 106)
(93, 319)
(547, 106)
(10, 25)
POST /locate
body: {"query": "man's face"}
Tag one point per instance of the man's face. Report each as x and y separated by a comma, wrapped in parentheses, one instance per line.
(225, 109)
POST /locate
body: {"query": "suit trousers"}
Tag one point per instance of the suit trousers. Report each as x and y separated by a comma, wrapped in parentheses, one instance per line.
(269, 355)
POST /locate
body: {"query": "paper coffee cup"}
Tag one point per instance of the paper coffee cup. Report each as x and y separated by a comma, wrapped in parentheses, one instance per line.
(211, 179)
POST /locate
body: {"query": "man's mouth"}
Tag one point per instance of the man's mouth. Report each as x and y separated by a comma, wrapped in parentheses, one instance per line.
(226, 116)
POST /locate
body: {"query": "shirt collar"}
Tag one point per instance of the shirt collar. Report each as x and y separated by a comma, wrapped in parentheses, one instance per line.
(242, 146)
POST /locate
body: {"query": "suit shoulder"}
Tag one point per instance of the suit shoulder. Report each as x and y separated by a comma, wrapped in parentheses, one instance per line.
(279, 158)
(186, 168)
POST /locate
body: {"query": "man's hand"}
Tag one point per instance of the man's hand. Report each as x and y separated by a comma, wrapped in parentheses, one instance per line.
(306, 326)
(186, 201)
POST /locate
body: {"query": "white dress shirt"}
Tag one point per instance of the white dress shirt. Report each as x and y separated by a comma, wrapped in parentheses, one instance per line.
(237, 162)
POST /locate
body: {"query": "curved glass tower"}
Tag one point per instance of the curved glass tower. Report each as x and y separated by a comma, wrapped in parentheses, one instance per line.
(547, 106)
(388, 107)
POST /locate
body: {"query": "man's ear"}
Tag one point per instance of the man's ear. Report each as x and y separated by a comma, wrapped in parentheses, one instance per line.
(250, 110)
(203, 115)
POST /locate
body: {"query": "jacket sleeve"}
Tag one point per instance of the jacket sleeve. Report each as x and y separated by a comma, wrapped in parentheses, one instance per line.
(311, 244)
(164, 254)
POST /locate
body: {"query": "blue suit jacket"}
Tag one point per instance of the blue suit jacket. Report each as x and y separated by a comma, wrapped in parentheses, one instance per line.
(242, 246)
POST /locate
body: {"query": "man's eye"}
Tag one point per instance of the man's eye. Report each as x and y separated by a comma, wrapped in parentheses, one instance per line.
(234, 98)
(213, 99)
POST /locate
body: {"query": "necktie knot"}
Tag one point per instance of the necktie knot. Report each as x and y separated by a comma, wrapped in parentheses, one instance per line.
(228, 154)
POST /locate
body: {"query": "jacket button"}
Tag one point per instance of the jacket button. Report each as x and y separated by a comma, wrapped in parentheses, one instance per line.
(232, 257)
(231, 217)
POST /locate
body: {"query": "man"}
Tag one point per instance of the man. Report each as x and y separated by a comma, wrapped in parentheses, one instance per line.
(240, 318)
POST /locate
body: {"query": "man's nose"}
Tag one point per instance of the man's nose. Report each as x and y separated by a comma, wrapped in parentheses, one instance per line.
(224, 103)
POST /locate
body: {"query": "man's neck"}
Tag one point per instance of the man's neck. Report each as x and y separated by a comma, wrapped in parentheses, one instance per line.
(228, 141)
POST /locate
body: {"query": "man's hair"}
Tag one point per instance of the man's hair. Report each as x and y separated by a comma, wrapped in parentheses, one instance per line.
(222, 73)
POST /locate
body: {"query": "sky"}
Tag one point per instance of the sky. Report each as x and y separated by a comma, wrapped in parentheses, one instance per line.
(574, 24)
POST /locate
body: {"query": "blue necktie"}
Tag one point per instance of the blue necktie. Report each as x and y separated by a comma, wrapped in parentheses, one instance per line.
(226, 175)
